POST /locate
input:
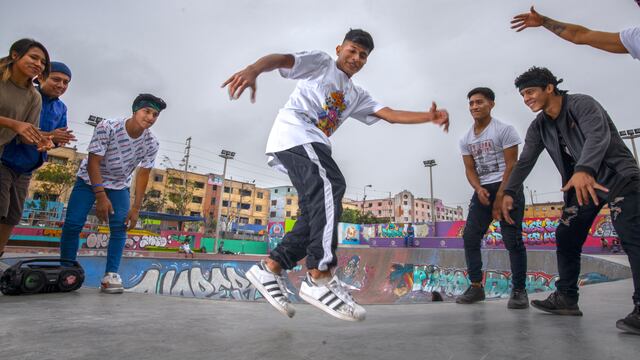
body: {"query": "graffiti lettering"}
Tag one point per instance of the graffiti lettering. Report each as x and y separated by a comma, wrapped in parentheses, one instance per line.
(218, 283)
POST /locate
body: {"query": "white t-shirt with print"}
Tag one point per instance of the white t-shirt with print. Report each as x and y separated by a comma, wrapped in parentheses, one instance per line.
(631, 40)
(323, 99)
(487, 149)
(121, 154)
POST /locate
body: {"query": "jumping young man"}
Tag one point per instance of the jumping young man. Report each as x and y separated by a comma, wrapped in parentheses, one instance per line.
(596, 168)
(489, 151)
(324, 97)
(117, 148)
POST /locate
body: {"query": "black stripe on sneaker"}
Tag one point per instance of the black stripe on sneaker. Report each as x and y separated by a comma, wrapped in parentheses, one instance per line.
(274, 291)
(327, 294)
(270, 283)
(337, 305)
(277, 295)
(333, 301)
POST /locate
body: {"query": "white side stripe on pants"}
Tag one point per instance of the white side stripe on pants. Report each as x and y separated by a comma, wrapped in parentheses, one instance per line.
(327, 234)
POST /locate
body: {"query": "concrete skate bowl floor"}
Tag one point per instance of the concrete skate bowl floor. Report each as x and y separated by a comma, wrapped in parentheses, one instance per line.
(375, 276)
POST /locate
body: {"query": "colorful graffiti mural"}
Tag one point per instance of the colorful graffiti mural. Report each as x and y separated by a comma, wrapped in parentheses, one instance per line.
(542, 232)
(372, 275)
(368, 231)
(201, 279)
(349, 233)
(275, 231)
(354, 271)
(412, 281)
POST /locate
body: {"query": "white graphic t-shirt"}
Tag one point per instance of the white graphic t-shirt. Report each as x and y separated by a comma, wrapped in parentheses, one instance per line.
(631, 40)
(487, 149)
(121, 154)
(323, 98)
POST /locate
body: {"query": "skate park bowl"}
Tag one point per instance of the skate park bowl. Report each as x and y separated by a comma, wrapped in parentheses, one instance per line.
(186, 324)
(374, 276)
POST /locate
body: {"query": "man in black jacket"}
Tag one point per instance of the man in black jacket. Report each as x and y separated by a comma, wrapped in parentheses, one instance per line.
(596, 168)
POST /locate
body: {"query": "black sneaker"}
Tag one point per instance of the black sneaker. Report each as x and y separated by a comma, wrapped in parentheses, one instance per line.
(471, 295)
(518, 299)
(631, 323)
(558, 304)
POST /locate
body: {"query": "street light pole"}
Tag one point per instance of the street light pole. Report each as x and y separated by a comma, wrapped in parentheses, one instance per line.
(430, 164)
(364, 196)
(631, 135)
(392, 215)
(226, 155)
(533, 204)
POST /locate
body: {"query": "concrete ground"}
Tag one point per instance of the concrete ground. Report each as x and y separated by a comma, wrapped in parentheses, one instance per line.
(90, 325)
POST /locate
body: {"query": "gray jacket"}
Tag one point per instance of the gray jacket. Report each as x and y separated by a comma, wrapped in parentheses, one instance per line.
(592, 139)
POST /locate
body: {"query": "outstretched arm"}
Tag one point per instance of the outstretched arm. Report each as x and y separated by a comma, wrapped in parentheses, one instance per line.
(246, 78)
(577, 34)
(437, 116)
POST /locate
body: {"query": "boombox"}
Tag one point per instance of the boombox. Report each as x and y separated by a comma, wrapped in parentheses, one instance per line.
(42, 275)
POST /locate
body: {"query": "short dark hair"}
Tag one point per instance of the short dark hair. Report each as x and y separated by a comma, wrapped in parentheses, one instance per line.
(148, 100)
(484, 91)
(361, 38)
(538, 77)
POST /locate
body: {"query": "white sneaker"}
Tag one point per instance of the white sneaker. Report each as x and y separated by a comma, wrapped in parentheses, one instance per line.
(332, 298)
(272, 288)
(111, 284)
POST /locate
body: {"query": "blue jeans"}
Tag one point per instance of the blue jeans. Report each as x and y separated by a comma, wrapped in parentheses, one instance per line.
(80, 203)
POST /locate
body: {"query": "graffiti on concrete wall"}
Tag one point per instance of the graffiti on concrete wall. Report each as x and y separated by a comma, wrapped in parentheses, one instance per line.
(535, 231)
(101, 241)
(349, 233)
(213, 282)
(275, 231)
(602, 227)
(411, 282)
(352, 271)
(542, 232)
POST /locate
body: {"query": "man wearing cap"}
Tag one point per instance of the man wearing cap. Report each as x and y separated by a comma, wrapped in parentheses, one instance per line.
(117, 148)
(53, 117)
(596, 169)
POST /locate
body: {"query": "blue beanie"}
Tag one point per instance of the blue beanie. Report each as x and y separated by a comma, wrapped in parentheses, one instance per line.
(57, 66)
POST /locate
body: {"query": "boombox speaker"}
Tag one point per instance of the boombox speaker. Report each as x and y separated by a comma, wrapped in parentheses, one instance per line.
(42, 275)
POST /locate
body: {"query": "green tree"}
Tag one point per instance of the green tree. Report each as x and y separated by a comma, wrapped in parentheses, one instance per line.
(351, 216)
(356, 217)
(154, 201)
(180, 194)
(55, 179)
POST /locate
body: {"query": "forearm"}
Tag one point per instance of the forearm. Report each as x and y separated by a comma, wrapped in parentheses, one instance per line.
(142, 179)
(93, 168)
(404, 117)
(569, 32)
(473, 179)
(6, 122)
(272, 62)
(577, 34)
(505, 177)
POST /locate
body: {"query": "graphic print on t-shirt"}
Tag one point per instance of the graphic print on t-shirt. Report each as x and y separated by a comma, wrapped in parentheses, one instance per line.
(329, 119)
(485, 157)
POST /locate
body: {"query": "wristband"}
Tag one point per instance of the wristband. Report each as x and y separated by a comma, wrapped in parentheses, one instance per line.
(96, 185)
